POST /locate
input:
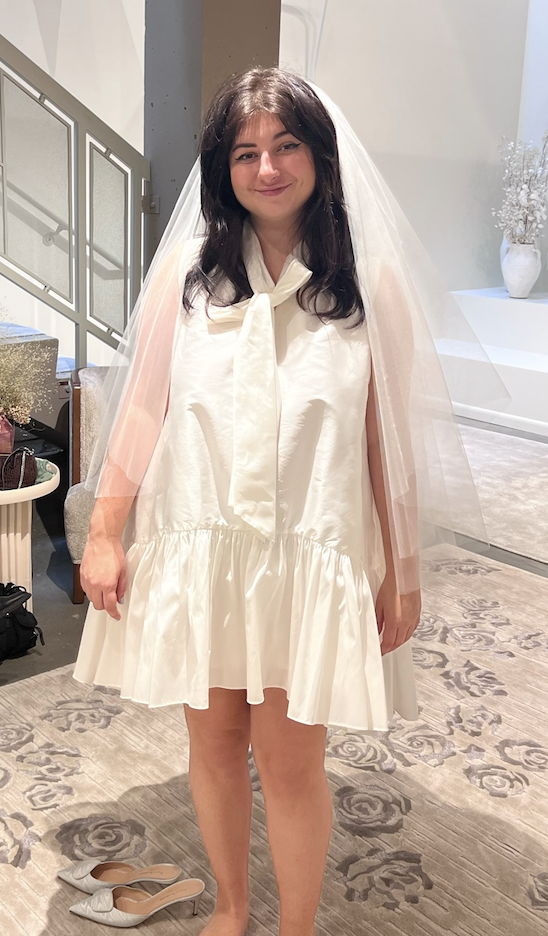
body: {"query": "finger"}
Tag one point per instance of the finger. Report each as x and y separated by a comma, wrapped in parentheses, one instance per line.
(379, 613)
(95, 595)
(110, 604)
(380, 621)
(122, 585)
(389, 639)
(404, 634)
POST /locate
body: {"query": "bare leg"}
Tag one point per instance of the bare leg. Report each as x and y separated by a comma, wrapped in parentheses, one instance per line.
(221, 790)
(290, 760)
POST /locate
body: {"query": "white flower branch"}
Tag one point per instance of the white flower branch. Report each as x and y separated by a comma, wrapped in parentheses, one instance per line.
(525, 184)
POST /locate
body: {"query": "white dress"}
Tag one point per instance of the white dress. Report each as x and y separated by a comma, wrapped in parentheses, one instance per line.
(210, 603)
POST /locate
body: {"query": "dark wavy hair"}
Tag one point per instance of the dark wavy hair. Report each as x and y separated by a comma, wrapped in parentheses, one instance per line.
(324, 224)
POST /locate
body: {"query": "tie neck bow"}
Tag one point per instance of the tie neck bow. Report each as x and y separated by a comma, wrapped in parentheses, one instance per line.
(256, 411)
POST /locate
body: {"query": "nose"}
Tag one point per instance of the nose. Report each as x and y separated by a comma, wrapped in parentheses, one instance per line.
(267, 169)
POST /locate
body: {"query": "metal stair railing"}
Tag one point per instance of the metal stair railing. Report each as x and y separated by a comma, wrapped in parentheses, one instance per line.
(72, 196)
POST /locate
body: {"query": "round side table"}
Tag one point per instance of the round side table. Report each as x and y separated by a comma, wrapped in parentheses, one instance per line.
(16, 530)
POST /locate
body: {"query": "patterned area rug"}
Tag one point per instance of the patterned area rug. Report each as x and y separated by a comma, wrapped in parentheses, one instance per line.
(511, 476)
(440, 825)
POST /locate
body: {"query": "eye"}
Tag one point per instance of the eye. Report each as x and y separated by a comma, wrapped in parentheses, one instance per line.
(245, 157)
(290, 146)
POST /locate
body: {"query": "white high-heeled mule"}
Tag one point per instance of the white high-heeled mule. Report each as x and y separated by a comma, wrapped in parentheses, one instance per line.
(92, 875)
(129, 906)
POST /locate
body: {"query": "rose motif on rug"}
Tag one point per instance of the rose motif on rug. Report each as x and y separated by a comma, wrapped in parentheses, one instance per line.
(530, 641)
(473, 681)
(429, 659)
(469, 637)
(384, 878)
(472, 719)
(497, 780)
(13, 737)
(101, 837)
(529, 754)
(422, 743)
(538, 891)
(44, 795)
(458, 567)
(81, 714)
(481, 609)
(474, 753)
(371, 810)
(362, 751)
(49, 762)
(431, 627)
(16, 838)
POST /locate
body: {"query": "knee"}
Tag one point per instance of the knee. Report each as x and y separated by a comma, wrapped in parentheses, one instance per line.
(288, 771)
(219, 735)
(220, 749)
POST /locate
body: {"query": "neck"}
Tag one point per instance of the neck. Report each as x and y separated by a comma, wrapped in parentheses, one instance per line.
(276, 242)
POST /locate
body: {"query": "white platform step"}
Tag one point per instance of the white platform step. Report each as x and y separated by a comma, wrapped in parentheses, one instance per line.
(514, 333)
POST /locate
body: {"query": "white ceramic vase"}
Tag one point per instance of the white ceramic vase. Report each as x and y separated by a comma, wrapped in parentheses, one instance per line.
(521, 266)
(504, 248)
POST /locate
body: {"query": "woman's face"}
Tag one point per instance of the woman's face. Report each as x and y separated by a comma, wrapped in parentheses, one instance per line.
(272, 171)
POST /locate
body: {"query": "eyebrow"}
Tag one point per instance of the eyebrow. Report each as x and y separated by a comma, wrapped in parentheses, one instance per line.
(275, 137)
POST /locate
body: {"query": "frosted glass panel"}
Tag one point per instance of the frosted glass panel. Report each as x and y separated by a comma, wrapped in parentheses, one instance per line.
(71, 217)
(108, 242)
(99, 353)
(37, 178)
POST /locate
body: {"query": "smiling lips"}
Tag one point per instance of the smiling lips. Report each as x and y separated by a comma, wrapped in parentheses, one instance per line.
(273, 191)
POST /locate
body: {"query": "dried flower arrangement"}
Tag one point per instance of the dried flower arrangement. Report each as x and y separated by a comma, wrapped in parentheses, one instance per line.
(22, 386)
(525, 184)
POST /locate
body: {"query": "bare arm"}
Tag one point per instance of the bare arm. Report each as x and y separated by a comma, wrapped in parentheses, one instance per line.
(398, 614)
(375, 470)
(133, 439)
(103, 568)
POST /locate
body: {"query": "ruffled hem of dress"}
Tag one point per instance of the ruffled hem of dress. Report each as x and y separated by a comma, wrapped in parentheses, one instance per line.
(217, 607)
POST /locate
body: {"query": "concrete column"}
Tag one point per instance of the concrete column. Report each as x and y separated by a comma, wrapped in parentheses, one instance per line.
(191, 46)
(238, 34)
(173, 96)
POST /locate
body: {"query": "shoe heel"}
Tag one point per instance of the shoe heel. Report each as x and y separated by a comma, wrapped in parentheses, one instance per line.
(196, 904)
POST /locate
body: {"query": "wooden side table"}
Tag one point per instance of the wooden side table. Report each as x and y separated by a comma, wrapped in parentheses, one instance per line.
(16, 530)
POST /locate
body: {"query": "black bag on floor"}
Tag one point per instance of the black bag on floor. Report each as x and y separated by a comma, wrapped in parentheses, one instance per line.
(19, 629)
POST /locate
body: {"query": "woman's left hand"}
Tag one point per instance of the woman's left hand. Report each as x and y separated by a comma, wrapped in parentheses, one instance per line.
(398, 614)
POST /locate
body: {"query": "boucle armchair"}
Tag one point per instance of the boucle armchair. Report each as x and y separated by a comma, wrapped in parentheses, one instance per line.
(86, 387)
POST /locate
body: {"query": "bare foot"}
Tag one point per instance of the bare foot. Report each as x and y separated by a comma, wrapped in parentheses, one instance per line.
(226, 924)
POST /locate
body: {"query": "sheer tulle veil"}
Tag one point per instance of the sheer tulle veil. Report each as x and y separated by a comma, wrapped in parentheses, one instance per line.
(410, 315)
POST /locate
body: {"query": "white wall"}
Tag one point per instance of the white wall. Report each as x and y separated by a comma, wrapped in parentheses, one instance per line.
(94, 48)
(430, 87)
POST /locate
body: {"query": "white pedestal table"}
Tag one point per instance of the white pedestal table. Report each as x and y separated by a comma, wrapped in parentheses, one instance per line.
(16, 530)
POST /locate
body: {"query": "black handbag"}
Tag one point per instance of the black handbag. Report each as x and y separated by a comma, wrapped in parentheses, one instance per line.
(19, 629)
(18, 469)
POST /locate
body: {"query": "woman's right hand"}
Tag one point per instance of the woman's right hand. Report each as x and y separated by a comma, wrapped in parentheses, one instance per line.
(103, 573)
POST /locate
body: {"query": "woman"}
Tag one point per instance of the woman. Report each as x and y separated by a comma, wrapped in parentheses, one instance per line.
(271, 576)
